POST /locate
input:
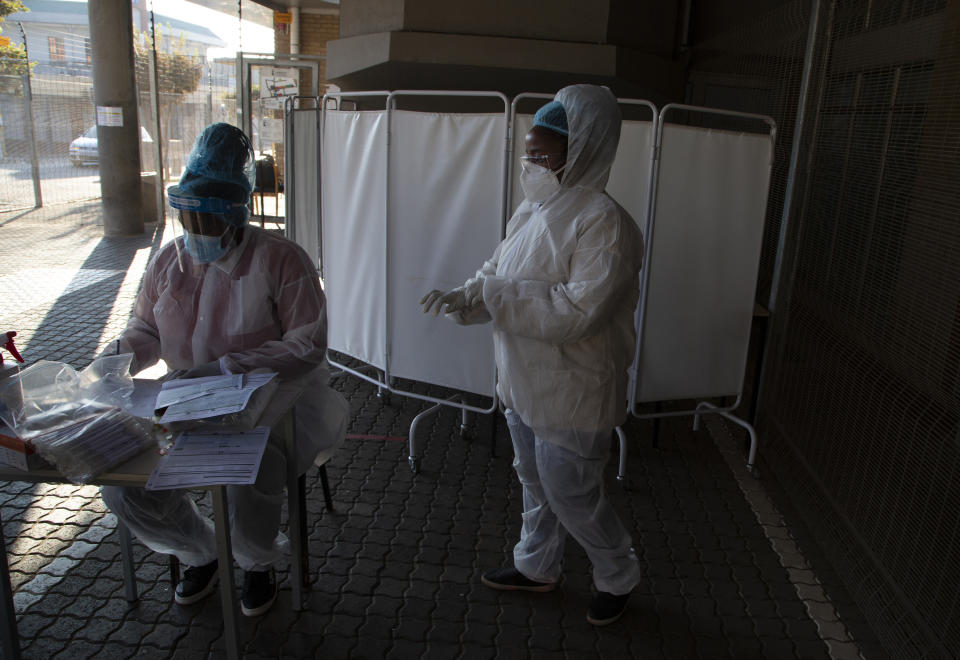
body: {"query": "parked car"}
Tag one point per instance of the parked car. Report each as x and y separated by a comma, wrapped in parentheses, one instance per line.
(83, 150)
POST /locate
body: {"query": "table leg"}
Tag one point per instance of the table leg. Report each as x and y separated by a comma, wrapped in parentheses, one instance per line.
(294, 511)
(126, 558)
(11, 640)
(221, 519)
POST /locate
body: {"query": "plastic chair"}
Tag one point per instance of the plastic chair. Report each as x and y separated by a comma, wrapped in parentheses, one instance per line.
(335, 418)
(296, 488)
(266, 183)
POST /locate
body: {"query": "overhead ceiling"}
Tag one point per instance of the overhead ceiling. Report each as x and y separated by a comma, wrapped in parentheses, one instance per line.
(261, 11)
(285, 5)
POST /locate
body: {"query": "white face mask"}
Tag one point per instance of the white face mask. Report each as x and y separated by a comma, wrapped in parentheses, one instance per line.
(538, 182)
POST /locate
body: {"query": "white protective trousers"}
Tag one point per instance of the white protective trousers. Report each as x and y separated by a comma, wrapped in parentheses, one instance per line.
(168, 521)
(563, 493)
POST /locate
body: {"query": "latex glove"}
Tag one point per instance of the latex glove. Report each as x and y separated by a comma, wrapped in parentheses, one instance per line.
(469, 315)
(473, 289)
(457, 317)
(437, 301)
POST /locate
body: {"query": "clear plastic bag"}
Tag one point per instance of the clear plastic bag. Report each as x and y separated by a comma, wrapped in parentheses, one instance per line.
(74, 419)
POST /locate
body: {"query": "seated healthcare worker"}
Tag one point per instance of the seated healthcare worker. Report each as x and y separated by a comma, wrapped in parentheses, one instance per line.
(561, 290)
(229, 298)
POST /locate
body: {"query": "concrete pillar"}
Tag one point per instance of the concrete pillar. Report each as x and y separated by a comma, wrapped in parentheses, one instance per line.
(114, 86)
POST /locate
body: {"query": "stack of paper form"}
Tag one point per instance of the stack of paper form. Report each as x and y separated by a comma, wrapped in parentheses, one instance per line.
(199, 398)
(211, 458)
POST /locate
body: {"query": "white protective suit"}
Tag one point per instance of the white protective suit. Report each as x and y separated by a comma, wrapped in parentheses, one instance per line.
(561, 290)
(562, 287)
(258, 307)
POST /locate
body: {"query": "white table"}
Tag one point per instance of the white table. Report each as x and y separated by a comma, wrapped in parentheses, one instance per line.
(135, 473)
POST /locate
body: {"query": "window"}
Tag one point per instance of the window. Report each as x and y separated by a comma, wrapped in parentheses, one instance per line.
(86, 48)
(57, 51)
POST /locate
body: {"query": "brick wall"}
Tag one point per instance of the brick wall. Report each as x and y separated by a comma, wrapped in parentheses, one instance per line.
(315, 31)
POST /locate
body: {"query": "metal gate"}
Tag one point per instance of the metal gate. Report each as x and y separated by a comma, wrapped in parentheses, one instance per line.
(860, 401)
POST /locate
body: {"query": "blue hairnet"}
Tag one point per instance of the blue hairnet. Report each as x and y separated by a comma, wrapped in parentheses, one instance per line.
(221, 165)
(552, 116)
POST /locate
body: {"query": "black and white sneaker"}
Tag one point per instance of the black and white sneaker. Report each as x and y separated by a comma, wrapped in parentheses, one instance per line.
(510, 579)
(607, 608)
(197, 583)
(259, 592)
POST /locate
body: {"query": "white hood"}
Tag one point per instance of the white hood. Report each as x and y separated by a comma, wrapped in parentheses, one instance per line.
(593, 119)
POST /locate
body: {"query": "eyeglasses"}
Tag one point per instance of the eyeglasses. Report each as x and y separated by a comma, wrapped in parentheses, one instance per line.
(543, 160)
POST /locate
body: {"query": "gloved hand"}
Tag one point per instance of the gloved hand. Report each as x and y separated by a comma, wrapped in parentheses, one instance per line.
(438, 301)
(473, 289)
(469, 315)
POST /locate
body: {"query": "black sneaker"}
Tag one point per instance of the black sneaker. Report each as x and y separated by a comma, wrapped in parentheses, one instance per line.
(510, 579)
(259, 592)
(607, 608)
(197, 583)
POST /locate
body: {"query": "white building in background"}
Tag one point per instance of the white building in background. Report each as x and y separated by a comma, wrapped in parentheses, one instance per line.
(58, 41)
(58, 34)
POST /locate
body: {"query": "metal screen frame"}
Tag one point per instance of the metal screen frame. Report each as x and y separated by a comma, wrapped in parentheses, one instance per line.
(289, 149)
(702, 407)
(385, 382)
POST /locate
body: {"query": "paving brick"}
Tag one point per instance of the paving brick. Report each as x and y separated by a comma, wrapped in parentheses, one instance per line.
(31, 626)
(396, 567)
(738, 626)
(384, 606)
(778, 647)
(402, 649)
(44, 647)
(747, 647)
(679, 647)
(64, 628)
(710, 647)
(480, 634)
(79, 649)
(367, 647)
(768, 627)
(811, 649)
(546, 639)
(131, 632)
(364, 585)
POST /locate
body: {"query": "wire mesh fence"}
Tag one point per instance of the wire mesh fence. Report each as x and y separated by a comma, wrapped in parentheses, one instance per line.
(17, 157)
(48, 135)
(860, 412)
(46, 113)
(758, 68)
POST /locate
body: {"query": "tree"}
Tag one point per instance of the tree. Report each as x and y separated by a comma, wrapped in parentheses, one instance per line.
(13, 58)
(178, 73)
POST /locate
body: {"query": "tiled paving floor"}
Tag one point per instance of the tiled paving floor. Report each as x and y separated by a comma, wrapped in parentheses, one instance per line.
(395, 568)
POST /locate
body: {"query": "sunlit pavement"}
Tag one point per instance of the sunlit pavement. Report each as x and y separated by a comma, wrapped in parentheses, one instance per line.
(395, 568)
(61, 182)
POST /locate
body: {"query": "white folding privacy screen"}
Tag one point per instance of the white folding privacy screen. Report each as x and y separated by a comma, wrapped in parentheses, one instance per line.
(302, 181)
(709, 210)
(399, 220)
(412, 201)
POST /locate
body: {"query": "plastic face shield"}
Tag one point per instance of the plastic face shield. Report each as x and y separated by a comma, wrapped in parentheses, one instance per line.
(203, 228)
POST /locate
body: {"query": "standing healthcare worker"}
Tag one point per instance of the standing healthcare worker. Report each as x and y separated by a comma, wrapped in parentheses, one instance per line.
(227, 298)
(561, 290)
